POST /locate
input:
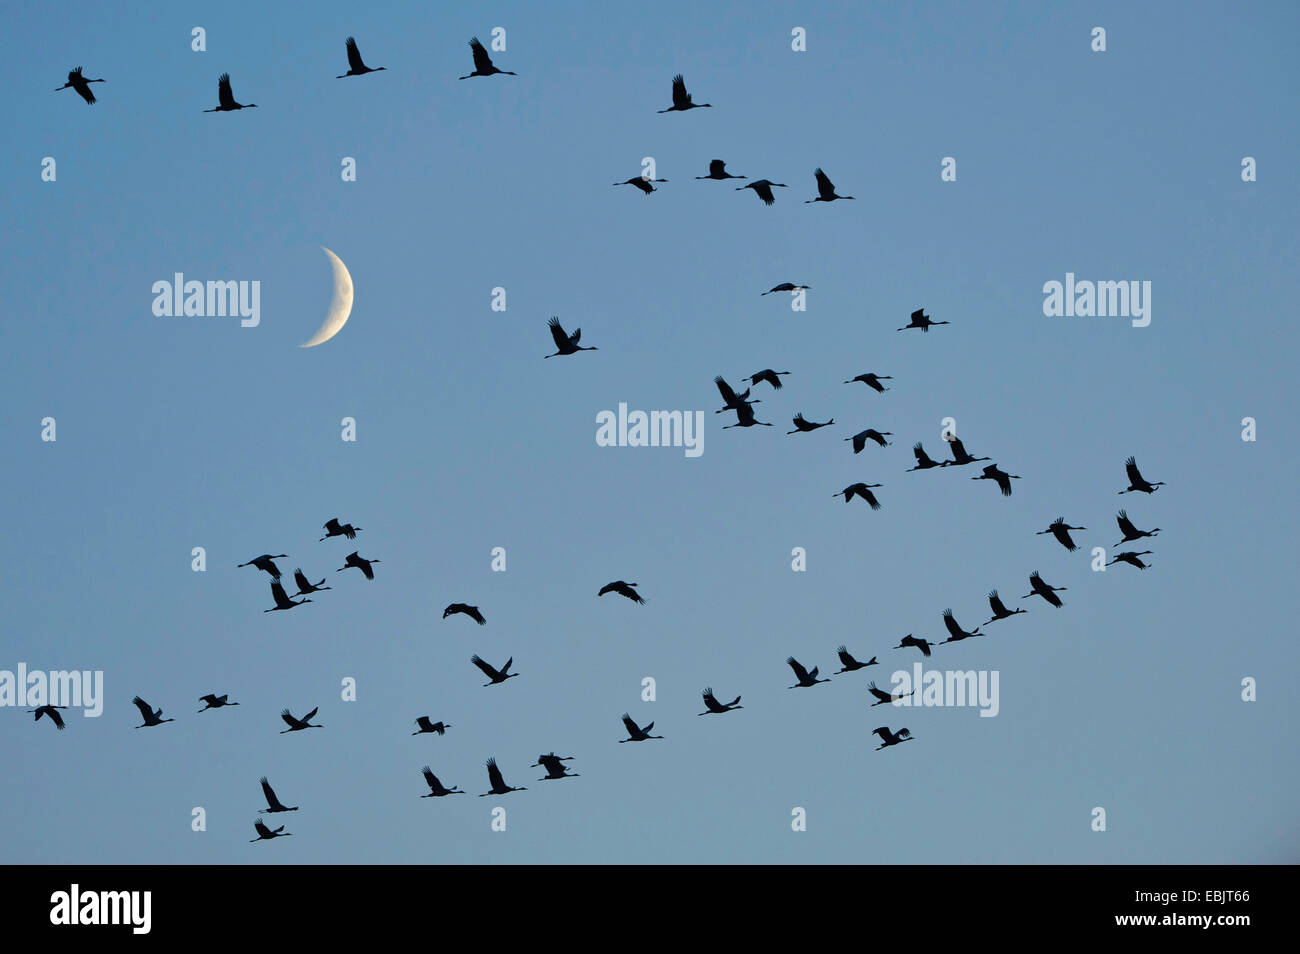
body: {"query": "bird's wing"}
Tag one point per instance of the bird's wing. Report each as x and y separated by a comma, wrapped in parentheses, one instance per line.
(277, 591)
(288, 718)
(845, 656)
(1125, 524)
(824, 185)
(354, 55)
(1131, 467)
(473, 613)
(224, 95)
(630, 725)
(557, 332)
(145, 709)
(261, 829)
(726, 390)
(482, 61)
(485, 667)
(269, 792)
(800, 673)
(301, 579)
(494, 774)
(879, 693)
(951, 623)
(680, 96)
(717, 167)
(903, 734)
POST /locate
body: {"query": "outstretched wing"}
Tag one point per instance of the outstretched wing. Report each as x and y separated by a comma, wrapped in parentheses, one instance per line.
(1125, 524)
(800, 673)
(1131, 467)
(144, 707)
(680, 96)
(301, 579)
(482, 62)
(557, 332)
(879, 693)
(494, 774)
(717, 167)
(630, 725)
(726, 390)
(288, 718)
(354, 56)
(269, 792)
(224, 95)
(485, 667)
(825, 188)
(261, 828)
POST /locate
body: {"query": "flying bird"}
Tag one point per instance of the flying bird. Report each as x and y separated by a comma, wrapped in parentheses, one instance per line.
(960, 456)
(226, 98)
(354, 559)
(355, 65)
(482, 62)
(909, 640)
(555, 767)
(718, 170)
(849, 664)
(212, 701)
(745, 418)
(1131, 558)
(786, 286)
(566, 343)
(713, 706)
(424, 725)
(499, 786)
(884, 698)
(266, 834)
(1059, 529)
(862, 490)
(641, 182)
(955, 632)
(803, 425)
(870, 434)
(495, 676)
(825, 189)
(53, 712)
(265, 563)
(1131, 532)
(923, 460)
(282, 602)
(763, 189)
(622, 589)
(1045, 590)
(805, 678)
(872, 381)
(150, 715)
(305, 585)
(470, 611)
(297, 725)
(731, 400)
(681, 98)
(999, 608)
(333, 528)
(1002, 478)
(436, 788)
(273, 804)
(635, 733)
(921, 320)
(768, 375)
(1136, 481)
(888, 738)
(79, 82)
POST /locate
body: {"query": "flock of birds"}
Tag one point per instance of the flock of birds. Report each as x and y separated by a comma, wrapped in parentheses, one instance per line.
(739, 403)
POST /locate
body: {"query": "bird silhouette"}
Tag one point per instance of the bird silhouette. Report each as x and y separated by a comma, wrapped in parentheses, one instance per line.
(273, 804)
(921, 320)
(482, 62)
(1136, 481)
(635, 733)
(436, 788)
(802, 425)
(354, 559)
(150, 715)
(923, 460)
(999, 608)
(641, 182)
(282, 602)
(355, 65)
(718, 170)
(909, 640)
(804, 679)
(266, 834)
(955, 632)
(335, 529)
(465, 609)
(266, 563)
(499, 786)
(713, 707)
(565, 343)
(495, 676)
(305, 585)
(622, 589)
(424, 726)
(226, 98)
(745, 418)
(768, 375)
(849, 664)
(1131, 558)
(885, 698)
(888, 738)
(763, 189)
(555, 767)
(52, 712)
(731, 400)
(872, 381)
(1059, 529)
(861, 490)
(786, 287)
(1001, 477)
(297, 725)
(870, 434)
(77, 81)
(1131, 532)
(1045, 590)
(960, 456)
(825, 189)
(681, 98)
(211, 701)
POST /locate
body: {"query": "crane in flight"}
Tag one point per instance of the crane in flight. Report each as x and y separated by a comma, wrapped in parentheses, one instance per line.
(682, 99)
(637, 733)
(482, 62)
(78, 81)
(714, 707)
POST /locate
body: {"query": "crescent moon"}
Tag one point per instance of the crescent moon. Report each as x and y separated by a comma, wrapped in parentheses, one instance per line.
(340, 306)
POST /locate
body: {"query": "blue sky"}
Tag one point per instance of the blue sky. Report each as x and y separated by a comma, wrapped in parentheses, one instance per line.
(184, 432)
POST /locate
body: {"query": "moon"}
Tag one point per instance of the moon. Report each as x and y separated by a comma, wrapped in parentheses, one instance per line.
(340, 306)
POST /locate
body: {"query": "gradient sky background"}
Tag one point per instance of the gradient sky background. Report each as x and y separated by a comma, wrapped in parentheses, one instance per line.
(175, 433)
